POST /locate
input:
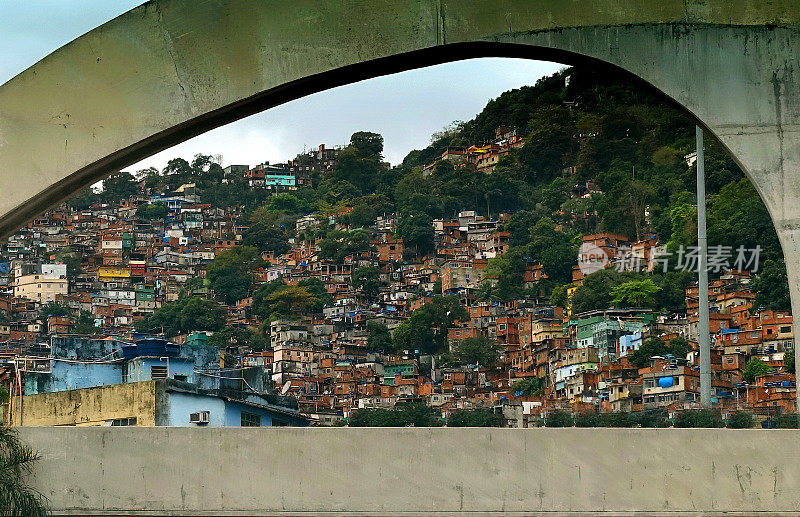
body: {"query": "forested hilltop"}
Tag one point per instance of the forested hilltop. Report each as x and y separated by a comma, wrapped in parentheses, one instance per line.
(598, 155)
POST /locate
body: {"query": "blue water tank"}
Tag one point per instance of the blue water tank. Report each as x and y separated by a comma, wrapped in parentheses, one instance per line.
(665, 382)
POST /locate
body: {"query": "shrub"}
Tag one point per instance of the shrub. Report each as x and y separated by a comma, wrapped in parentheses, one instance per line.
(417, 415)
(699, 418)
(586, 420)
(474, 418)
(559, 418)
(740, 420)
(786, 421)
(653, 418)
(615, 419)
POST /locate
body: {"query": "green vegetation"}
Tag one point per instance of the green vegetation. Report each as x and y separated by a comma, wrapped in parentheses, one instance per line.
(476, 351)
(236, 337)
(754, 368)
(559, 418)
(277, 299)
(184, 315)
(474, 418)
(231, 273)
(17, 498)
(788, 361)
(426, 329)
(53, 309)
(530, 387)
(416, 415)
(379, 338)
(677, 347)
(698, 418)
(740, 420)
(152, 211)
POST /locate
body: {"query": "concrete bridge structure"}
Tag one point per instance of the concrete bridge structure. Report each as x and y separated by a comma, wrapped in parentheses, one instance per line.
(171, 69)
(415, 471)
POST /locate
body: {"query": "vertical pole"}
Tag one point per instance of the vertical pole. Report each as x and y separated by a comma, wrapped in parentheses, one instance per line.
(703, 337)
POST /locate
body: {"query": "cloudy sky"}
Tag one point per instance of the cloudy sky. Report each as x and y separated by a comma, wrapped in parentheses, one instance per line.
(405, 108)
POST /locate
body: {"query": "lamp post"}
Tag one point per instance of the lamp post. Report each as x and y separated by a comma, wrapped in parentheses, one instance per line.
(702, 277)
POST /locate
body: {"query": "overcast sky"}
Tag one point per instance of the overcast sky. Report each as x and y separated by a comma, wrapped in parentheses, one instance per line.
(405, 108)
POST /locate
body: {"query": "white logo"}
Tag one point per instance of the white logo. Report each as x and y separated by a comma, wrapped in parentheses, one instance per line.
(591, 258)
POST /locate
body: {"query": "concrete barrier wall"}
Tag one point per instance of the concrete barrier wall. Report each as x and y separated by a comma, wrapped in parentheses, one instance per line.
(178, 471)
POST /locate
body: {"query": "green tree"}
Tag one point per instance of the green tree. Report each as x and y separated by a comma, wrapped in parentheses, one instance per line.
(554, 250)
(379, 338)
(416, 230)
(262, 303)
(231, 273)
(53, 309)
(183, 316)
(426, 329)
(529, 387)
(237, 336)
(635, 293)
(677, 347)
(772, 287)
(17, 498)
(415, 414)
(292, 300)
(595, 292)
(317, 289)
(788, 361)
(152, 211)
(558, 297)
(737, 217)
(84, 324)
(119, 186)
(754, 368)
(368, 280)
(476, 350)
(265, 236)
(73, 261)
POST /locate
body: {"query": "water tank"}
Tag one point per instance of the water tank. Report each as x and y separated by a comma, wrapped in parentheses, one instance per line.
(665, 382)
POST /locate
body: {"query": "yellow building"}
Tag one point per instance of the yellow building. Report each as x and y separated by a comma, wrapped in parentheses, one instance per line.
(113, 272)
(119, 404)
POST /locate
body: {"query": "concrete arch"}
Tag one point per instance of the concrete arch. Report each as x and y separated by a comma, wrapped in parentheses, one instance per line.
(171, 69)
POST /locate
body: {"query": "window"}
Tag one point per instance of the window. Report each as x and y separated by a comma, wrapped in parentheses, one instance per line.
(250, 419)
(123, 422)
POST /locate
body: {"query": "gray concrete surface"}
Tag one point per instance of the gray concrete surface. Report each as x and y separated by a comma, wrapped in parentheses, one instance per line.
(171, 471)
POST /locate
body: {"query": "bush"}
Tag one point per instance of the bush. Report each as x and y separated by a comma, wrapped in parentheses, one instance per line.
(740, 420)
(417, 415)
(786, 421)
(586, 420)
(651, 419)
(474, 418)
(616, 419)
(699, 418)
(559, 418)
